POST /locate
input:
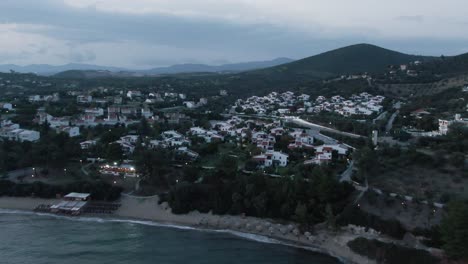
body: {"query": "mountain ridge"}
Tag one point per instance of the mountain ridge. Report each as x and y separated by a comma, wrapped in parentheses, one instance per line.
(46, 69)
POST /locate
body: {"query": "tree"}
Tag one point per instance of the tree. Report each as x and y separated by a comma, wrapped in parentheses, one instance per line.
(367, 162)
(457, 159)
(330, 217)
(114, 152)
(301, 214)
(228, 165)
(144, 128)
(454, 231)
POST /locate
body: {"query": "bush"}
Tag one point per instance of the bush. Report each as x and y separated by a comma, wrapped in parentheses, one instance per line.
(98, 190)
(355, 216)
(390, 253)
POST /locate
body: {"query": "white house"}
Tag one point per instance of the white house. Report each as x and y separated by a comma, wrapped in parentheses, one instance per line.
(341, 149)
(171, 134)
(320, 158)
(146, 113)
(87, 144)
(94, 111)
(35, 98)
(197, 131)
(271, 158)
(301, 140)
(20, 134)
(190, 153)
(190, 104)
(445, 124)
(6, 106)
(55, 122)
(83, 99)
(131, 139)
(70, 131)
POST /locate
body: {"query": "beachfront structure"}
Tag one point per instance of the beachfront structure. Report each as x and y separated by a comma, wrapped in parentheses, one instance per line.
(77, 196)
(73, 204)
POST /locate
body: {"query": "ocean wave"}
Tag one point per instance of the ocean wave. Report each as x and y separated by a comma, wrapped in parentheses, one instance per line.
(248, 236)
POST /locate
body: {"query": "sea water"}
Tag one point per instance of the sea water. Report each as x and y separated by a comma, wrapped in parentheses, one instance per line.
(29, 238)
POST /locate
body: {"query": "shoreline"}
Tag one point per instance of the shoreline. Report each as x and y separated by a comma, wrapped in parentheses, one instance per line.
(148, 209)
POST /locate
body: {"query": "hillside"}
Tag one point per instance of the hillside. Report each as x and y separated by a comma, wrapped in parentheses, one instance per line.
(81, 74)
(446, 65)
(46, 69)
(92, 71)
(234, 67)
(353, 59)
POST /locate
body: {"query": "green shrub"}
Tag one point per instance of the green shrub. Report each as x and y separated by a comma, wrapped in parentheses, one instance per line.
(390, 253)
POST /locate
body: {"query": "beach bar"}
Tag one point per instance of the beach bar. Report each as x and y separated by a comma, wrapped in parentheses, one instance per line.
(73, 204)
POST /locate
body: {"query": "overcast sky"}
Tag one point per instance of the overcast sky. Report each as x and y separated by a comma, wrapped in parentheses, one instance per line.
(148, 33)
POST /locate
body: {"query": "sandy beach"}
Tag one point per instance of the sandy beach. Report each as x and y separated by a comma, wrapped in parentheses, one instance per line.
(23, 203)
(148, 208)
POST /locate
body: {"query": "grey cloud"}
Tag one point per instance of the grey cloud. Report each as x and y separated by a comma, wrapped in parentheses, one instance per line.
(201, 40)
(78, 56)
(410, 18)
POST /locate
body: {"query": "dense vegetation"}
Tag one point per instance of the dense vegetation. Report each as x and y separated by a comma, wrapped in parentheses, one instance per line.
(390, 253)
(51, 151)
(355, 216)
(225, 191)
(447, 66)
(454, 230)
(99, 190)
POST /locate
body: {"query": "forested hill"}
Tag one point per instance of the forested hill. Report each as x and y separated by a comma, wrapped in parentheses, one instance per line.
(446, 65)
(353, 59)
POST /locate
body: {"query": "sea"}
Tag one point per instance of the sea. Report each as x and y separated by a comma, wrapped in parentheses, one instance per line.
(30, 238)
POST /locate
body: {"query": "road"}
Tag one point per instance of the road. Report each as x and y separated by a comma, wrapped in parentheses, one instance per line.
(304, 123)
(14, 175)
(389, 125)
(381, 116)
(316, 134)
(301, 122)
(346, 175)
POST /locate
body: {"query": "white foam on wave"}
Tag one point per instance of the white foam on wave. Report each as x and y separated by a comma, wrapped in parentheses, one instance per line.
(247, 236)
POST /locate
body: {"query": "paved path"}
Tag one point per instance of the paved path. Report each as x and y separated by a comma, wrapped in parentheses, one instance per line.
(14, 175)
(346, 175)
(389, 125)
(381, 116)
(301, 122)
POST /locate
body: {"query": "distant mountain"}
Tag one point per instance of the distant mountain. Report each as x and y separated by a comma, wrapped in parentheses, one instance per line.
(353, 59)
(46, 69)
(234, 67)
(82, 74)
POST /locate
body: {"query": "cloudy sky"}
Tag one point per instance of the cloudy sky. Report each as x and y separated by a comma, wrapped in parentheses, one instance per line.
(148, 33)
